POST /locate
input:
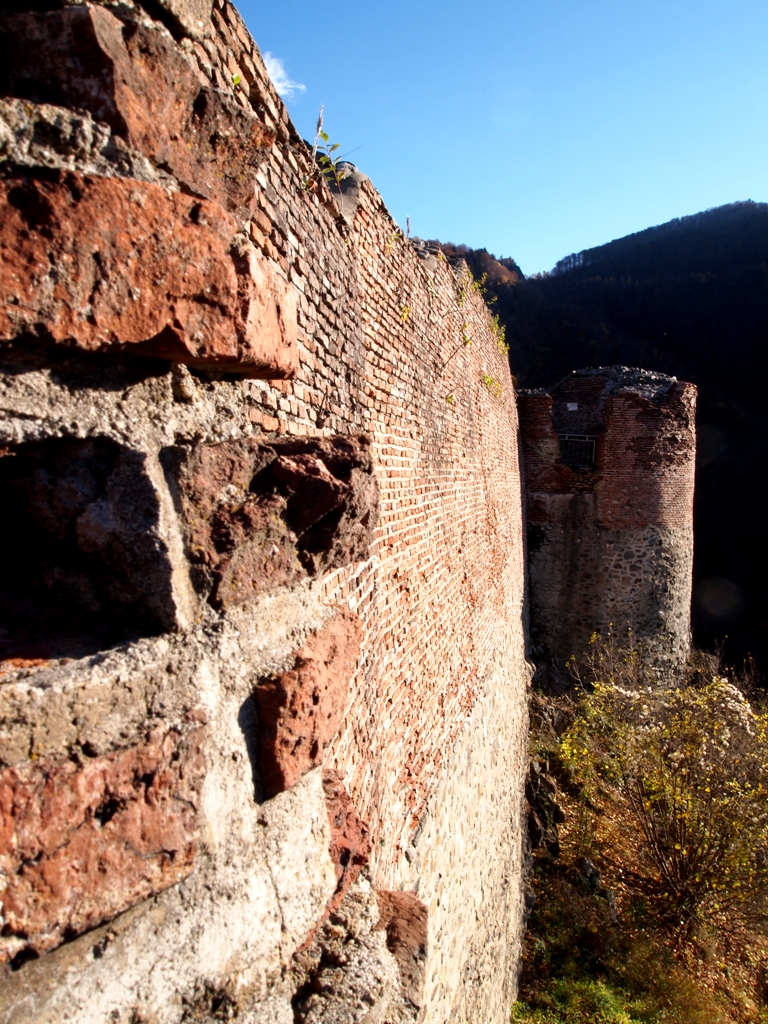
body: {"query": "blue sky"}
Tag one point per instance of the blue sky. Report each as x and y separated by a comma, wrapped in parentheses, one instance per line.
(534, 128)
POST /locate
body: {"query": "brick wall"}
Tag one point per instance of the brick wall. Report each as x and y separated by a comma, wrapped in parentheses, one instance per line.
(610, 541)
(263, 531)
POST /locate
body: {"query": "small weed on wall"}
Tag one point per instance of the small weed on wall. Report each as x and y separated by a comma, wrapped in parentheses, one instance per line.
(326, 163)
(493, 386)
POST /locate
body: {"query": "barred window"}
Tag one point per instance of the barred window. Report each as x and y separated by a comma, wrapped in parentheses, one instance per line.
(578, 450)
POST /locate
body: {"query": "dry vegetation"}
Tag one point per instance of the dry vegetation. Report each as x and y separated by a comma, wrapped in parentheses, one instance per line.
(606, 943)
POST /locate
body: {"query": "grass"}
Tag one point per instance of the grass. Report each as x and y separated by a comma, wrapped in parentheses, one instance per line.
(579, 968)
(573, 1002)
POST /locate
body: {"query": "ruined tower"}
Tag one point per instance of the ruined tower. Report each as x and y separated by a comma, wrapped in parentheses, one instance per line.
(609, 468)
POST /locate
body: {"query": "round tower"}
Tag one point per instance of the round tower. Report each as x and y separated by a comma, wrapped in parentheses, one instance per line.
(608, 457)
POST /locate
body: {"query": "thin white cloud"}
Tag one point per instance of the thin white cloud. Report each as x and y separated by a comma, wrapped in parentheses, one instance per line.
(287, 88)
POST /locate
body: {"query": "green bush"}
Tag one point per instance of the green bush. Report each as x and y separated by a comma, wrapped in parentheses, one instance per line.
(690, 762)
(577, 968)
(598, 1001)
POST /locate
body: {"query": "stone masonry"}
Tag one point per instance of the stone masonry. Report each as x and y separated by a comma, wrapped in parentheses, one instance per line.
(609, 471)
(262, 659)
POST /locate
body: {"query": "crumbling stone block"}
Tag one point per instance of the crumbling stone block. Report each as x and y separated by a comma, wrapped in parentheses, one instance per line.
(84, 562)
(112, 263)
(360, 989)
(350, 840)
(133, 76)
(267, 313)
(192, 17)
(257, 516)
(80, 843)
(301, 710)
(406, 921)
(347, 975)
(34, 136)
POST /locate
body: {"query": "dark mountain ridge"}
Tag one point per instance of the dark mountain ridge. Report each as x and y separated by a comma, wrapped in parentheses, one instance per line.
(688, 298)
(706, 242)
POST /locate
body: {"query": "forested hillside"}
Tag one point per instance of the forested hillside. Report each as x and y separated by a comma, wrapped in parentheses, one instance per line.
(689, 298)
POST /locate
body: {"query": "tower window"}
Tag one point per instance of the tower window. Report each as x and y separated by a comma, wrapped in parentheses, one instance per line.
(578, 450)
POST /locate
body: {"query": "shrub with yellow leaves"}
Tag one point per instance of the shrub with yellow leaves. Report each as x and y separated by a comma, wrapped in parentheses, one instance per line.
(689, 759)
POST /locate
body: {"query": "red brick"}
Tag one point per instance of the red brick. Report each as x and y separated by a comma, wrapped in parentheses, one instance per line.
(80, 843)
(350, 839)
(137, 80)
(291, 508)
(108, 263)
(648, 461)
(300, 711)
(645, 457)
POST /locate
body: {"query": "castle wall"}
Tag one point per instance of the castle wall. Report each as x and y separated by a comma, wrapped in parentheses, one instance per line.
(610, 542)
(472, 799)
(262, 600)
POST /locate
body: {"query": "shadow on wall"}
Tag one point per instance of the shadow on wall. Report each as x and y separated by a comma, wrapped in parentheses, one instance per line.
(82, 565)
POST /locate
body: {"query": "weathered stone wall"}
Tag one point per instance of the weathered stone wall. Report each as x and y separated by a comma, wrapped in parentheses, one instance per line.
(610, 541)
(471, 938)
(263, 683)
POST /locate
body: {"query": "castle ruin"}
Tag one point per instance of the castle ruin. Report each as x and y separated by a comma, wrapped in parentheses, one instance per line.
(263, 689)
(609, 471)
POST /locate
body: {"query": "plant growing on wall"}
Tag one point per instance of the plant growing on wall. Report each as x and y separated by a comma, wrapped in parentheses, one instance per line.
(470, 284)
(396, 236)
(328, 163)
(493, 385)
(500, 334)
(325, 161)
(466, 342)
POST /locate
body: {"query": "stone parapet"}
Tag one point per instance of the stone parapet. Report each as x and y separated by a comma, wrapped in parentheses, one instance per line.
(261, 614)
